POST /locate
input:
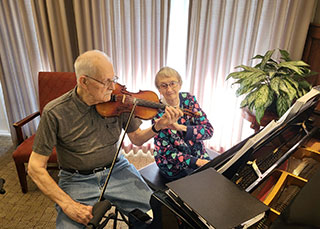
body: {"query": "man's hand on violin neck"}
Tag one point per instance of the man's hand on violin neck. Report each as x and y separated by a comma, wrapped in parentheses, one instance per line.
(170, 116)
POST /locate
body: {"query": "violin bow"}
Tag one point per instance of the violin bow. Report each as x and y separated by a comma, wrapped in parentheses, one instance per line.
(117, 153)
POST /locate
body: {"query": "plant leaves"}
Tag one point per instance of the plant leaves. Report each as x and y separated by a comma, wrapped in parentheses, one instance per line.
(249, 69)
(274, 84)
(259, 114)
(241, 75)
(282, 104)
(266, 58)
(292, 91)
(271, 74)
(257, 57)
(253, 78)
(270, 81)
(310, 73)
(286, 87)
(235, 75)
(244, 102)
(249, 99)
(290, 66)
(294, 66)
(299, 63)
(270, 65)
(264, 97)
(249, 83)
(305, 85)
(284, 55)
(293, 82)
(244, 89)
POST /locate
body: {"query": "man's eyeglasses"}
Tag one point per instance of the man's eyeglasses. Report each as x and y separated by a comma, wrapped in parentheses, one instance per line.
(108, 81)
(172, 84)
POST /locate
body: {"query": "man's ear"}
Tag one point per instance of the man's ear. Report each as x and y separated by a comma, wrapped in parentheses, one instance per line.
(83, 81)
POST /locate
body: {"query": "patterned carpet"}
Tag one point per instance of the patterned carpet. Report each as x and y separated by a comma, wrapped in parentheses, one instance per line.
(33, 209)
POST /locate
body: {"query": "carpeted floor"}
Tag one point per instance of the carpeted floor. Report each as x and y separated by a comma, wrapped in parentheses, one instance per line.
(33, 209)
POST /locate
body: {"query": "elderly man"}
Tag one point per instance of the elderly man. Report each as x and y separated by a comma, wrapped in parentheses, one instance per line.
(86, 144)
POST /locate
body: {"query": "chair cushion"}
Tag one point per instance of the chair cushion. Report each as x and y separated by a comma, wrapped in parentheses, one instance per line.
(23, 151)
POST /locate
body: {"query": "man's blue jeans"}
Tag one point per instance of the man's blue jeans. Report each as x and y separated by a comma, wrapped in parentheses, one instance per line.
(126, 189)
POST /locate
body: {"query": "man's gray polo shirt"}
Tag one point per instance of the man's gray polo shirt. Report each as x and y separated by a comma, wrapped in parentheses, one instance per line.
(83, 139)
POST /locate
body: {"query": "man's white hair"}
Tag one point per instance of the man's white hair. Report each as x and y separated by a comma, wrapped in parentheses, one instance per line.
(87, 63)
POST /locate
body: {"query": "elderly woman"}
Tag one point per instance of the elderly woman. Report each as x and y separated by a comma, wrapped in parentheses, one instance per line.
(179, 150)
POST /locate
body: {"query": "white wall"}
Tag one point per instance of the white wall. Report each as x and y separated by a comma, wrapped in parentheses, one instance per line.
(4, 127)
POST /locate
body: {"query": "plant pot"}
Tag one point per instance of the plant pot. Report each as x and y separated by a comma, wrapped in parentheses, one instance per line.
(269, 115)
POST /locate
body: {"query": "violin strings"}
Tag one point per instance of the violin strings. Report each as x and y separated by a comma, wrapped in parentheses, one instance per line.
(145, 103)
(151, 104)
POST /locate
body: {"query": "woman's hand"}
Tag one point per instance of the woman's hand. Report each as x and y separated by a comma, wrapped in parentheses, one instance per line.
(178, 127)
(169, 118)
(201, 162)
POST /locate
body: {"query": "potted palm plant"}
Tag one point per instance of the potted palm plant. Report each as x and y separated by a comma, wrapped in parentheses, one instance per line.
(271, 85)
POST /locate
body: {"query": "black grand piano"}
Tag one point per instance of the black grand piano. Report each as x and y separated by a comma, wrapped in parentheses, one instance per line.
(280, 166)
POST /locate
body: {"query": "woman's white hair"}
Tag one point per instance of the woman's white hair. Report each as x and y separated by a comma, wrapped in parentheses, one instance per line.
(167, 72)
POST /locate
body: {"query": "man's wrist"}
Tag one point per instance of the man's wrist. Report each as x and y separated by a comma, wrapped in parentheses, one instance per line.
(153, 128)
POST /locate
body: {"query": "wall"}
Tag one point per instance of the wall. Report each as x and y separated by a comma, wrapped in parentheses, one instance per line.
(4, 127)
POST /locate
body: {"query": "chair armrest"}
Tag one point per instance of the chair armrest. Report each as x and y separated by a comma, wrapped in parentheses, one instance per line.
(19, 124)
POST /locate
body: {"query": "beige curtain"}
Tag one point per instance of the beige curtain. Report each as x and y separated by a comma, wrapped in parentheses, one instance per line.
(45, 35)
(56, 33)
(208, 39)
(132, 33)
(35, 36)
(20, 62)
(225, 34)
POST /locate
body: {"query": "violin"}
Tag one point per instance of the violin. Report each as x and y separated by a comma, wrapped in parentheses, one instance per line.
(147, 104)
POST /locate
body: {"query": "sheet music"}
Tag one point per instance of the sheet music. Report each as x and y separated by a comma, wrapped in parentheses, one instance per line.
(300, 105)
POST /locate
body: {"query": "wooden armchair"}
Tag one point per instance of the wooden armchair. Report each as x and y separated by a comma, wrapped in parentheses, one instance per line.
(51, 86)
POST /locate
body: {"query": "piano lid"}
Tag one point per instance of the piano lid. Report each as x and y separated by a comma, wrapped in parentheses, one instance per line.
(250, 161)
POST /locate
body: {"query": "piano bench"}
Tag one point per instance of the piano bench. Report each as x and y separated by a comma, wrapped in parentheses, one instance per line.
(151, 174)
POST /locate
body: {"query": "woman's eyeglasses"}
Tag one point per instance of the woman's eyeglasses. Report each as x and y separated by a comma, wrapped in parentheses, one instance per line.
(108, 81)
(172, 84)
